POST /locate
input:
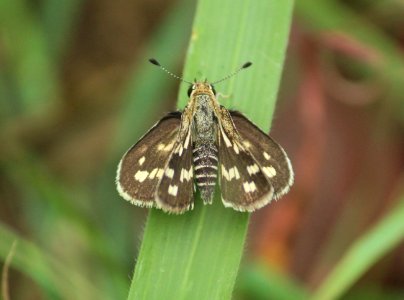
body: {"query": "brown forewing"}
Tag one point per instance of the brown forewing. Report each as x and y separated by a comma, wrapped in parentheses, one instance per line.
(270, 156)
(143, 164)
(243, 185)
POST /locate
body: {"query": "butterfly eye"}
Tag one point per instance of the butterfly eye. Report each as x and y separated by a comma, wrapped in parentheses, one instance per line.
(213, 90)
(191, 87)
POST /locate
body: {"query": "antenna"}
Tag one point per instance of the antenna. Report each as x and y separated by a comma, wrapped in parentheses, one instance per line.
(244, 66)
(156, 63)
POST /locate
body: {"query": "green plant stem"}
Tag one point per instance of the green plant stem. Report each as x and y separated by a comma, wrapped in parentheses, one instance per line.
(197, 255)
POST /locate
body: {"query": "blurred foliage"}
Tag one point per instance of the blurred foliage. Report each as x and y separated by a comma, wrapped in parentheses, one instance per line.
(76, 91)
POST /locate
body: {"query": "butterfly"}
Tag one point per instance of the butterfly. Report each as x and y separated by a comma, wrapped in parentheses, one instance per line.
(197, 148)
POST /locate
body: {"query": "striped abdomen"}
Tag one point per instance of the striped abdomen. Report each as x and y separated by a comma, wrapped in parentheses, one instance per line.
(205, 169)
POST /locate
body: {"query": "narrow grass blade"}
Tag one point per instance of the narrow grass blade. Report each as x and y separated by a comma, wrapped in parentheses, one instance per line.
(367, 250)
(57, 280)
(5, 291)
(197, 255)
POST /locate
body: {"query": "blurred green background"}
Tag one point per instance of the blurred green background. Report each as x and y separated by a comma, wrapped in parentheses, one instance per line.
(76, 91)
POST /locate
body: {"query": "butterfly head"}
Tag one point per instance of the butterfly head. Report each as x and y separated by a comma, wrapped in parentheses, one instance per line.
(201, 88)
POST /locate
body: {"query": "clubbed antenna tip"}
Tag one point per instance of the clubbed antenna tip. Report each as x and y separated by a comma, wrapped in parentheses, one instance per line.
(154, 62)
(247, 64)
(244, 66)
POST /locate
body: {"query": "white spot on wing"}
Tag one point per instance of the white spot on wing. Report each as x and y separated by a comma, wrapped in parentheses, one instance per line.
(141, 175)
(187, 140)
(266, 156)
(236, 173)
(247, 144)
(225, 174)
(179, 150)
(142, 160)
(269, 171)
(163, 147)
(168, 147)
(187, 175)
(249, 187)
(173, 190)
(225, 138)
(236, 149)
(231, 173)
(153, 173)
(160, 173)
(170, 173)
(253, 169)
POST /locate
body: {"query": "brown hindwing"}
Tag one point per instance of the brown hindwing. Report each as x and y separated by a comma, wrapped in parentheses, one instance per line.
(175, 192)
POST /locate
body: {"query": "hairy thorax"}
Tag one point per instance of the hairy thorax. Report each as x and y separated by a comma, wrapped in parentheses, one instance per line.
(204, 124)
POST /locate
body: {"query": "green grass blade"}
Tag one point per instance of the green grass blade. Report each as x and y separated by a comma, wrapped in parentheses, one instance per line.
(367, 250)
(197, 255)
(57, 280)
